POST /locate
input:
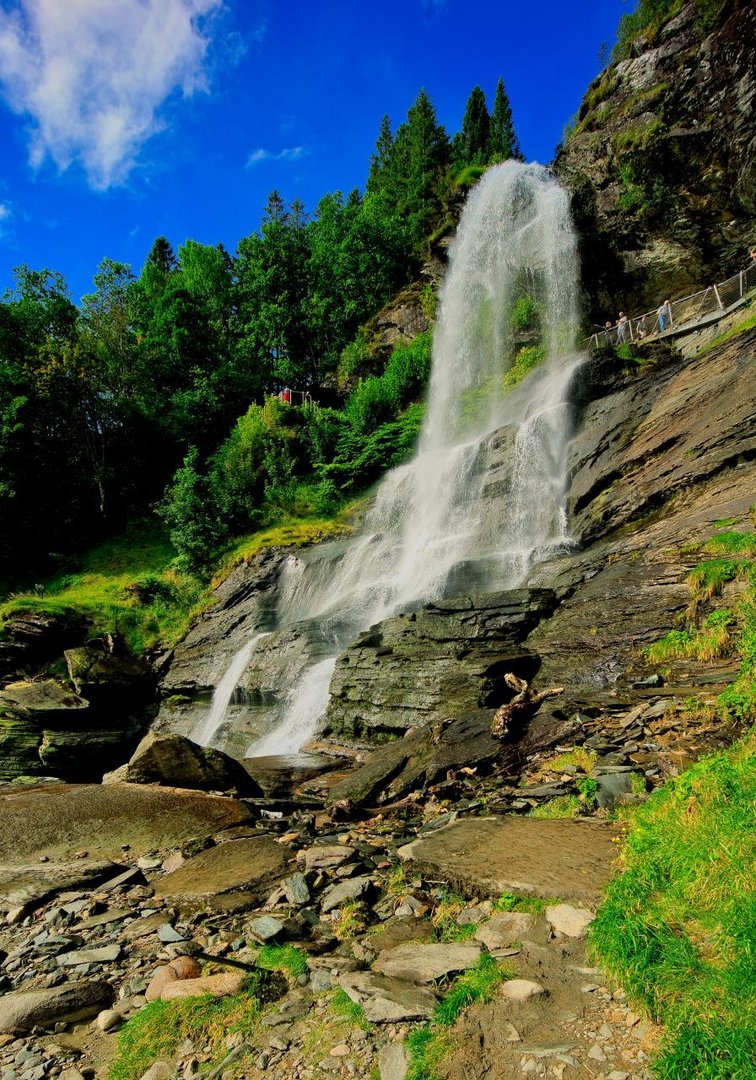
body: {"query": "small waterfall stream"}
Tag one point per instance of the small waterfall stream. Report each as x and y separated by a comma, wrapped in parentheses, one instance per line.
(437, 517)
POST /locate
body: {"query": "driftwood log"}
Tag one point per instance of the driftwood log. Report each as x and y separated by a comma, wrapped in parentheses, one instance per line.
(521, 707)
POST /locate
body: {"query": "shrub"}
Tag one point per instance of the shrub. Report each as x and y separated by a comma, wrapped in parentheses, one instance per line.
(525, 314)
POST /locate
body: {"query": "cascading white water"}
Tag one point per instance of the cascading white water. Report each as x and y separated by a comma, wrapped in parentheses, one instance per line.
(204, 732)
(435, 514)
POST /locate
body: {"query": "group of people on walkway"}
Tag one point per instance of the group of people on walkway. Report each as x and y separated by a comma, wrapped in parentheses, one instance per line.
(623, 331)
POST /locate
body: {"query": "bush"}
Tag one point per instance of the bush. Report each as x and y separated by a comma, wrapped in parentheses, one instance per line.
(525, 315)
(408, 370)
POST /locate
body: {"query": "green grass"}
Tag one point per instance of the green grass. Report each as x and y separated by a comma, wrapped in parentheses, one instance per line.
(287, 959)
(747, 323)
(561, 806)
(723, 632)
(158, 1029)
(525, 361)
(678, 925)
(532, 905)
(344, 1008)
(732, 543)
(429, 1044)
(293, 532)
(713, 641)
(102, 587)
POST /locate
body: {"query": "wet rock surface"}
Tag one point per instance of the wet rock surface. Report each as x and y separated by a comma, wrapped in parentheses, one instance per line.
(432, 664)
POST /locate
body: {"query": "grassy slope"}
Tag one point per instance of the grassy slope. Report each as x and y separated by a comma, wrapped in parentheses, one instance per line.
(100, 587)
(678, 926)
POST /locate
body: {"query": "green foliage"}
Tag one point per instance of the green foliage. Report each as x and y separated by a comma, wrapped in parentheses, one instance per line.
(561, 806)
(532, 905)
(502, 142)
(430, 1043)
(678, 923)
(284, 958)
(471, 144)
(158, 1029)
(524, 362)
(343, 1007)
(525, 314)
(732, 543)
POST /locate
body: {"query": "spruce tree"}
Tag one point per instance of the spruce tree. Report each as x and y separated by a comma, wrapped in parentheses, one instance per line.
(471, 144)
(502, 141)
(380, 159)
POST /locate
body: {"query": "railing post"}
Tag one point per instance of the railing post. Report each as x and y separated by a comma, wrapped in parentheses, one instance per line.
(719, 299)
(742, 275)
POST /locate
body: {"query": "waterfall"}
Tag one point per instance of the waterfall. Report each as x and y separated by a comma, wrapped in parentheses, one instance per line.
(438, 522)
(205, 731)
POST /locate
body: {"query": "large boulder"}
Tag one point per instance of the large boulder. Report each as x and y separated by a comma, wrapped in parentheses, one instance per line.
(26, 1010)
(175, 761)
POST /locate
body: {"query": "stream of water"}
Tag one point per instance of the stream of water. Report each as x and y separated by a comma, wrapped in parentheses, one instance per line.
(453, 513)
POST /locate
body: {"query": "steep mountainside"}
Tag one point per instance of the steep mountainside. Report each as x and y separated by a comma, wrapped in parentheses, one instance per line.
(662, 163)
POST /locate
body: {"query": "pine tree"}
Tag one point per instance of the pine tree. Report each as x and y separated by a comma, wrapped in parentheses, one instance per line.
(380, 159)
(502, 141)
(471, 144)
(420, 155)
(162, 256)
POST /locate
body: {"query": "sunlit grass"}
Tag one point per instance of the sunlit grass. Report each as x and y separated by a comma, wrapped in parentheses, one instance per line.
(678, 925)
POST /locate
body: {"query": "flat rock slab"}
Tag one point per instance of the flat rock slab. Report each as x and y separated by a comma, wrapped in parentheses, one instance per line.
(59, 820)
(386, 1000)
(27, 886)
(571, 860)
(43, 1008)
(230, 877)
(424, 963)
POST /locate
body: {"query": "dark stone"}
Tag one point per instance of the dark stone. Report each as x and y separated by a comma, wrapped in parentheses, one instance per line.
(175, 761)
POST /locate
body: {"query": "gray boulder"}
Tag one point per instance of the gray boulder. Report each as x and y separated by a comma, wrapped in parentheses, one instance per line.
(62, 1004)
(175, 761)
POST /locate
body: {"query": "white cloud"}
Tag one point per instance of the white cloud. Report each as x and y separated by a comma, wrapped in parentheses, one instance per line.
(5, 216)
(291, 153)
(92, 75)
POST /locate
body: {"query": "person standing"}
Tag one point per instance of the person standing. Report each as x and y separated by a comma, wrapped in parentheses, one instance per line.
(622, 328)
(664, 315)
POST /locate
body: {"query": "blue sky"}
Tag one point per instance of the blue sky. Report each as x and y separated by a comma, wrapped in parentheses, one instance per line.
(123, 120)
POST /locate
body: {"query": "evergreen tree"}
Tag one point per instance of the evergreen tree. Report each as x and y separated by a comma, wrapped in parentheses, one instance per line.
(162, 256)
(502, 142)
(420, 155)
(471, 144)
(380, 159)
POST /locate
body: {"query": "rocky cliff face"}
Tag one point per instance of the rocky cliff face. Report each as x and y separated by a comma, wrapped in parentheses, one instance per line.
(661, 451)
(662, 163)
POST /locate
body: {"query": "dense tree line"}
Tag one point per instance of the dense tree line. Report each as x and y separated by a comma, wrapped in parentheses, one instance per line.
(102, 404)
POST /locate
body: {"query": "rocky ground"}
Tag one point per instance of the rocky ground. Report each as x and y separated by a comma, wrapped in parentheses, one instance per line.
(117, 894)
